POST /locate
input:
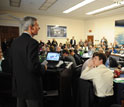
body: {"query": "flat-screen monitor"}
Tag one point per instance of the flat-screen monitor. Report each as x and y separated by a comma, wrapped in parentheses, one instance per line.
(53, 56)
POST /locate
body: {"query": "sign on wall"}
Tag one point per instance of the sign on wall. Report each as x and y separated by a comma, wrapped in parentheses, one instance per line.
(56, 31)
(119, 31)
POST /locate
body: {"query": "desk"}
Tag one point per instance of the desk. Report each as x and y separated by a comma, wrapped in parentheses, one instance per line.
(118, 88)
(119, 55)
(119, 58)
(59, 79)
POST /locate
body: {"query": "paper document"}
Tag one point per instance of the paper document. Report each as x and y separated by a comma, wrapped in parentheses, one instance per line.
(44, 62)
(119, 80)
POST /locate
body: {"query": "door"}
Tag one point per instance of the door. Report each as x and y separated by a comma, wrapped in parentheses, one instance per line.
(90, 38)
(7, 34)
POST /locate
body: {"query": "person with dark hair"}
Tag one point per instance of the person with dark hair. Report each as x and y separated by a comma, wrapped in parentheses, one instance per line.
(110, 62)
(102, 79)
(54, 42)
(48, 43)
(68, 57)
(76, 57)
(26, 68)
(73, 42)
(52, 48)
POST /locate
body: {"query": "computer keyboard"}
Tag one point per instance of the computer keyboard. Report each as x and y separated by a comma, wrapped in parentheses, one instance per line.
(51, 66)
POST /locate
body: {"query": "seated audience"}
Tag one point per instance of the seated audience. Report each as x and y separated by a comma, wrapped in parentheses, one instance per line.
(102, 79)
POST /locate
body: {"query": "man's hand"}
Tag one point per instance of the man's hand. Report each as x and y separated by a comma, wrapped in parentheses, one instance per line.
(45, 67)
(91, 64)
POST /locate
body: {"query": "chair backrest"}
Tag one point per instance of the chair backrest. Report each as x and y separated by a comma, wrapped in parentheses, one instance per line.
(86, 95)
(113, 62)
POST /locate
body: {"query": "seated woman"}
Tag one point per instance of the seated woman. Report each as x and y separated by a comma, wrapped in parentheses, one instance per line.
(113, 50)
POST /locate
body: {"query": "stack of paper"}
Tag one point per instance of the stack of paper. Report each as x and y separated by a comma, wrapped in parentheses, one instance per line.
(119, 80)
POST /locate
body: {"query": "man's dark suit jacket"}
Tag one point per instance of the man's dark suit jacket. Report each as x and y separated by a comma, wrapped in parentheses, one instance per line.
(26, 68)
(72, 42)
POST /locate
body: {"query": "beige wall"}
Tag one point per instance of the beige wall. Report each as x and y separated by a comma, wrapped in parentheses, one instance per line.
(79, 28)
(102, 27)
(119, 30)
(74, 27)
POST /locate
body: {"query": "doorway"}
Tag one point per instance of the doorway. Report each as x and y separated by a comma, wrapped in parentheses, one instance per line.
(90, 38)
(7, 34)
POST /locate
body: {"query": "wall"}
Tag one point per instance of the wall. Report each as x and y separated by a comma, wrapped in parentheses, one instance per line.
(74, 27)
(102, 27)
(79, 28)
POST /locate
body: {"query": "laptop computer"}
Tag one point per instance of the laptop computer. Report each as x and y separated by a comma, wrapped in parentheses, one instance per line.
(52, 59)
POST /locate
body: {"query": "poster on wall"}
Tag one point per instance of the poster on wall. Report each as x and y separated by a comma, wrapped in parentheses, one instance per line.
(119, 31)
(120, 39)
(56, 31)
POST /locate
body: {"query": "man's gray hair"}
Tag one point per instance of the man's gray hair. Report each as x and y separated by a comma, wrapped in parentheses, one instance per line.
(28, 21)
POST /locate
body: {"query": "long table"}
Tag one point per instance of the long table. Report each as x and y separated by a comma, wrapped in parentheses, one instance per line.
(119, 90)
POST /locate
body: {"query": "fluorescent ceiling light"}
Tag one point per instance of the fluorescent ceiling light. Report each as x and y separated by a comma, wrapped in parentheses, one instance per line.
(85, 2)
(105, 8)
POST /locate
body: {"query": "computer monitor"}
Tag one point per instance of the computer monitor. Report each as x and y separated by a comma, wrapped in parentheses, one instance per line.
(53, 56)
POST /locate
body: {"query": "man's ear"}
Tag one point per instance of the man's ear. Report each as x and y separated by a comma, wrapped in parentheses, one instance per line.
(30, 28)
(101, 61)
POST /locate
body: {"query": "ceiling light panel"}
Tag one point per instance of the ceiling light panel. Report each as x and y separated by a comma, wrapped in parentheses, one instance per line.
(51, 1)
(106, 8)
(15, 3)
(85, 2)
(47, 4)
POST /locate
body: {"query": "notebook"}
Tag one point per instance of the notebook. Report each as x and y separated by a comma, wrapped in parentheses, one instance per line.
(52, 59)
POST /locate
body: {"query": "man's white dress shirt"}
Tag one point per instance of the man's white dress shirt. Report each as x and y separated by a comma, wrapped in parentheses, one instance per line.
(102, 79)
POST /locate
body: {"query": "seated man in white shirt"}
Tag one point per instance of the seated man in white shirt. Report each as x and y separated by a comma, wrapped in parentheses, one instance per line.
(102, 79)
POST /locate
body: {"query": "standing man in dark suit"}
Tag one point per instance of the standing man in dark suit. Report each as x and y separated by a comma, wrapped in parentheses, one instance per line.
(73, 42)
(27, 70)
